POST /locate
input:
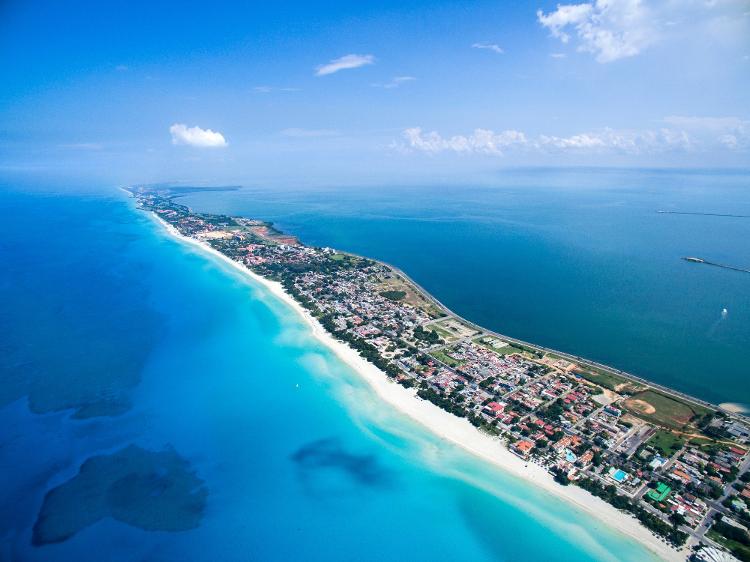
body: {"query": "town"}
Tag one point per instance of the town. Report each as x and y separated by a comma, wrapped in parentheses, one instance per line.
(677, 464)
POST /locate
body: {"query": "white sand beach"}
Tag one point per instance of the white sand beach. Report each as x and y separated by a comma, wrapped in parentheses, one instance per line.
(448, 426)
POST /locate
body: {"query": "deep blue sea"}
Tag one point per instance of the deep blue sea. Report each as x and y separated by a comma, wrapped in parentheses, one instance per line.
(144, 385)
(574, 259)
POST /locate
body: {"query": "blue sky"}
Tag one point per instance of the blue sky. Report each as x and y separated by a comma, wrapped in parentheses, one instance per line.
(353, 92)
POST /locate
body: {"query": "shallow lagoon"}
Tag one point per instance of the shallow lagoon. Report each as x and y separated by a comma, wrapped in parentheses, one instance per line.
(297, 456)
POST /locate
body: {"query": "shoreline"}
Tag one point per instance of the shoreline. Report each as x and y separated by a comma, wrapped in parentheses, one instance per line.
(446, 426)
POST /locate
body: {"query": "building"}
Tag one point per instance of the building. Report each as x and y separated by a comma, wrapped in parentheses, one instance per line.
(660, 493)
(523, 448)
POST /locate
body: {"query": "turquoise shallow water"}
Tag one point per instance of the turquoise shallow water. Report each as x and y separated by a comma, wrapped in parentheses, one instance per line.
(576, 260)
(116, 335)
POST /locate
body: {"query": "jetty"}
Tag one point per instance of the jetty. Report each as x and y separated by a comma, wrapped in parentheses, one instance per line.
(703, 214)
(723, 266)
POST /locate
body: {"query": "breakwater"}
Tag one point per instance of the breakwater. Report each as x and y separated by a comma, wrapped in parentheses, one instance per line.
(704, 214)
(722, 265)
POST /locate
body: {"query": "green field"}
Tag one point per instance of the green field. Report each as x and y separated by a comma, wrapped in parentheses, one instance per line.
(443, 333)
(393, 295)
(447, 359)
(739, 550)
(602, 378)
(663, 410)
(666, 442)
(506, 350)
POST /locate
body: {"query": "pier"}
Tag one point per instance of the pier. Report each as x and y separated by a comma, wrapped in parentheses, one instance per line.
(723, 266)
(703, 214)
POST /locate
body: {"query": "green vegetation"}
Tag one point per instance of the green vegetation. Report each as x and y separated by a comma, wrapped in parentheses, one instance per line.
(666, 442)
(602, 378)
(609, 494)
(445, 334)
(393, 295)
(505, 350)
(429, 336)
(663, 410)
(552, 412)
(443, 357)
(734, 539)
(442, 401)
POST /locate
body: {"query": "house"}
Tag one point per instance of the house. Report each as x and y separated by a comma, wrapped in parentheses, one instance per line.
(586, 458)
(657, 462)
(660, 493)
(680, 475)
(523, 448)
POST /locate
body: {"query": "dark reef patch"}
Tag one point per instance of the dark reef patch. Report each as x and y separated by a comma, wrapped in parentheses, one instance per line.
(328, 453)
(151, 490)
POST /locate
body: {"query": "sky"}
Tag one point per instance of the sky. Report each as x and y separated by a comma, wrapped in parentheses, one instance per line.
(368, 92)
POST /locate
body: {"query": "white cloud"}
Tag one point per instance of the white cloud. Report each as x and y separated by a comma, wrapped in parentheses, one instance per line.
(685, 134)
(395, 82)
(617, 29)
(481, 141)
(195, 136)
(558, 55)
(623, 141)
(308, 133)
(344, 63)
(731, 132)
(489, 46)
(609, 29)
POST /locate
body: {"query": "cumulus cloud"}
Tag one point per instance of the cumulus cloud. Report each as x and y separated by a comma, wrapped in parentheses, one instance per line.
(616, 29)
(195, 136)
(344, 63)
(489, 46)
(609, 29)
(683, 134)
(481, 141)
(731, 132)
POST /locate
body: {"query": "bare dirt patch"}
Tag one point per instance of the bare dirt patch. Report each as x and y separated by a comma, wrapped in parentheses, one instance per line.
(640, 406)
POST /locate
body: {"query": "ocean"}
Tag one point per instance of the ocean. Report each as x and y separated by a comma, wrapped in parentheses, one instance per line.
(157, 405)
(578, 260)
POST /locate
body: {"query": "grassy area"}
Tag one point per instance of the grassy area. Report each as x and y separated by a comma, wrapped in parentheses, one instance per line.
(505, 350)
(663, 410)
(395, 284)
(443, 333)
(602, 378)
(447, 359)
(666, 442)
(738, 549)
(393, 295)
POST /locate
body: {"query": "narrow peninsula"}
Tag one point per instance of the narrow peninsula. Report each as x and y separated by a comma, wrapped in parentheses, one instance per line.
(676, 464)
